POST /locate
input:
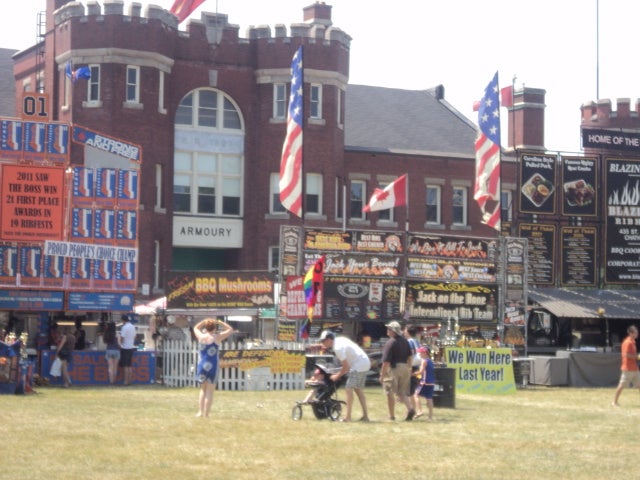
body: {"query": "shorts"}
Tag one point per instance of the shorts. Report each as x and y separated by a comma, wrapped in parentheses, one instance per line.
(425, 391)
(112, 355)
(398, 380)
(64, 355)
(356, 379)
(630, 379)
(126, 355)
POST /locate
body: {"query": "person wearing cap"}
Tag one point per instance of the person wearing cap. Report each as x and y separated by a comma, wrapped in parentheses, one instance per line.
(127, 347)
(427, 383)
(395, 373)
(356, 363)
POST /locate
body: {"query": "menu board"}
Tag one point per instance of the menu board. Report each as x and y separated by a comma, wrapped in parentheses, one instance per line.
(361, 299)
(579, 181)
(622, 210)
(541, 252)
(578, 256)
(537, 183)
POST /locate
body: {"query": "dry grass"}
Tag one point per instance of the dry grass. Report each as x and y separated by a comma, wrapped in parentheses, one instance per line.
(151, 432)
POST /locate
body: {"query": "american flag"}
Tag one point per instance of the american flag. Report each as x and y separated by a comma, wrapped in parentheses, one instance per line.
(488, 154)
(183, 8)
(291, 163)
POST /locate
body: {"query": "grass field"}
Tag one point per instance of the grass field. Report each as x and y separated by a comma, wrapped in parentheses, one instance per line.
(152, 432)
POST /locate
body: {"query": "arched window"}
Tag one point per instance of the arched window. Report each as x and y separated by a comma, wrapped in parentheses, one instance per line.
(209, 155)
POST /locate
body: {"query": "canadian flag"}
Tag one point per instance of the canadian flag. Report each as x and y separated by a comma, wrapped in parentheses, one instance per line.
(393, 195)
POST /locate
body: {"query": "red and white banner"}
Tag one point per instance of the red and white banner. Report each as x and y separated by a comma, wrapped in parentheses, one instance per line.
(393, 195)
(183, 8)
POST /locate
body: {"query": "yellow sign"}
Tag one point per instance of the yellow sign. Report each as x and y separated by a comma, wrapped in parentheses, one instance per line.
(482, 370)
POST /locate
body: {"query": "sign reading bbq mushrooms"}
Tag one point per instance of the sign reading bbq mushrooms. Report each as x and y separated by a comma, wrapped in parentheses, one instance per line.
(227, 289)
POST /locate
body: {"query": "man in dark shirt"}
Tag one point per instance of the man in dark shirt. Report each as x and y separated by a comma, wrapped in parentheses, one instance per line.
(395, 373)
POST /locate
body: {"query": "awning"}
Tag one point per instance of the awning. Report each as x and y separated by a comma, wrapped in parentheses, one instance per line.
(563, 302)
(151, 307)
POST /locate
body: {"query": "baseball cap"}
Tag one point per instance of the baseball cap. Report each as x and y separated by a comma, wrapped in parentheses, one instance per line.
(395, 327)
(327, 335)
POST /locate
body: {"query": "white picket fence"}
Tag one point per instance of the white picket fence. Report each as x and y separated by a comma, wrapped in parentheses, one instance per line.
(180, 358)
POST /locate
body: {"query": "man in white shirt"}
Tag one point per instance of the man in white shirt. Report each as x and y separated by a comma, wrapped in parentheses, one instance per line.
(356, 363)
(127, 347)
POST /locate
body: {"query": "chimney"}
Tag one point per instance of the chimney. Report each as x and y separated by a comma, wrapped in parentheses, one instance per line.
(319, 13)
(526, 119)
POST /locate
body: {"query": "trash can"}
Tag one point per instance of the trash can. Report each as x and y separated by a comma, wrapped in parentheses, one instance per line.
(444, 393)
(522, 372)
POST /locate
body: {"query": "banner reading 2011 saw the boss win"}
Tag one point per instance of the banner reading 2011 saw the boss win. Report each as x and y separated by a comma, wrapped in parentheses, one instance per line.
(227, 289)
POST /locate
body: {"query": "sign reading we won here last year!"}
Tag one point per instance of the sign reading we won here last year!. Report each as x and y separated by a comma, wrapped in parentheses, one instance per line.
(482, 370)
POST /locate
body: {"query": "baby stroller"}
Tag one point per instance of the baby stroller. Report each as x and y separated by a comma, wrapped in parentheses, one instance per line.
(324, 402)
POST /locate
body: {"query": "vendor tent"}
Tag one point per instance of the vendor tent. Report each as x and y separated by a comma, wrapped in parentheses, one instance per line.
(588, 303)
(150, 307)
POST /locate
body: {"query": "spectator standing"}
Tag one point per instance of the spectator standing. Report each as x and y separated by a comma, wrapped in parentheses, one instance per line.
(395, 373)
(354, 362)
(427, 383)
(629, 373)
(409, 333)
(127, 347)
(80, 335)
(207, 371)
(66, 344)
(112, 355)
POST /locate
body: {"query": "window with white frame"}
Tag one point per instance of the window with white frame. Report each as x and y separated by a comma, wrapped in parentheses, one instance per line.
(433, 204)
(313, 194)
(209, 181)
(132, 94)
(315, 99)
(357, 196)
(279, 100)
(93, 84)
(275, 206)
(208, 108)
(459, 206)
(207, 184)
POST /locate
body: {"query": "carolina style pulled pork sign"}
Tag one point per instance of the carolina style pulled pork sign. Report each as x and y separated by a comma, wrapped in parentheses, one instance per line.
(219, 289)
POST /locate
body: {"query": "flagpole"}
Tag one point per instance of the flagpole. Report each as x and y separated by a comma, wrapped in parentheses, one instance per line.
(344, 204)
(406, 201)
(303, 175)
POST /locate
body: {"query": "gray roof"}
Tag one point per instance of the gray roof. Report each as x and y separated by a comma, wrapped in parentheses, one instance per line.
(7, 84)
(562, 302)
(405, 121)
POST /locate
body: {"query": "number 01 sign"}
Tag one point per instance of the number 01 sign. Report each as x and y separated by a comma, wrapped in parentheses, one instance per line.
(35, 106)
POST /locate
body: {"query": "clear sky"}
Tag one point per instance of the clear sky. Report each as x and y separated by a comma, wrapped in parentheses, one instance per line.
(418, 44)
